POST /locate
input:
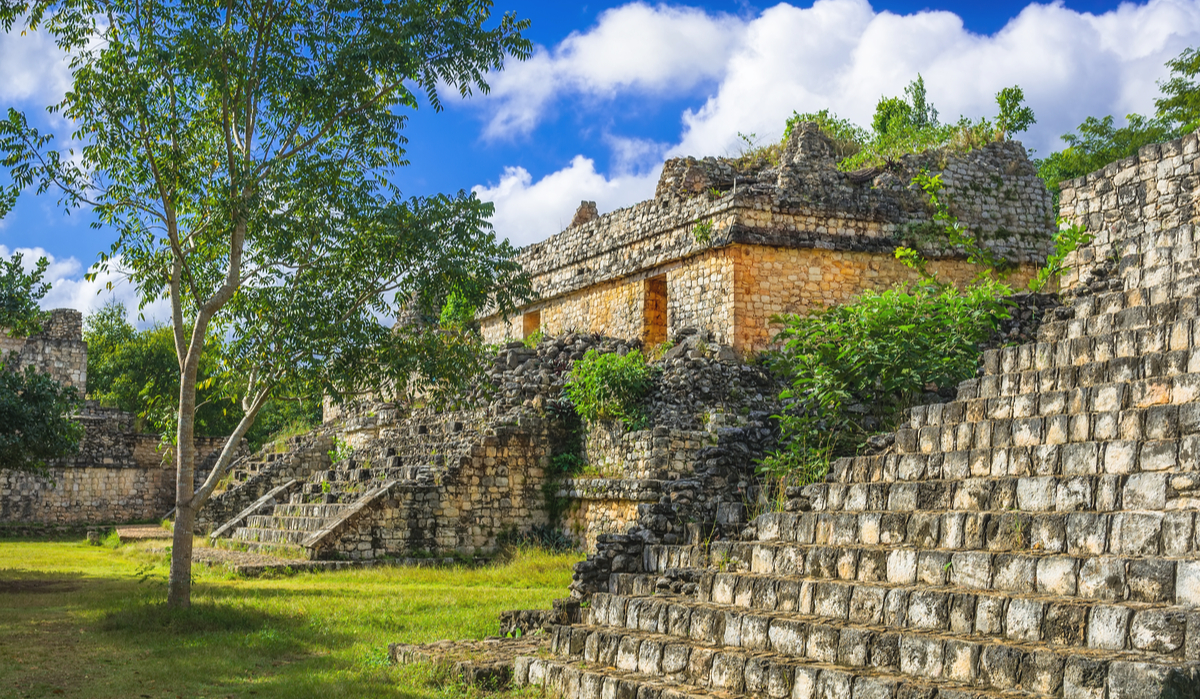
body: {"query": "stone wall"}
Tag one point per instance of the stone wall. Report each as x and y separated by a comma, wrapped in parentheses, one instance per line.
(718, 236)
(1130, 200)
(58, 350)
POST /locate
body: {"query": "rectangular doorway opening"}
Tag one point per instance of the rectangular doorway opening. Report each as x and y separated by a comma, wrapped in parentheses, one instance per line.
(654, 312)
(531, 321)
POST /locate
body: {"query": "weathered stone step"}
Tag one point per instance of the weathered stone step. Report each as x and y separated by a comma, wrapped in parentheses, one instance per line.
(1057, 623)
(789, 665)
(954, 665)
(1126, 534)
(276, 522)
(269, 536)
(309, 510)
(561, 678)
(1087, 578)
(936, 487)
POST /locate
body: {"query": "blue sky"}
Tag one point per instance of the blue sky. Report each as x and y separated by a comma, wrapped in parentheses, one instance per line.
(615, 87)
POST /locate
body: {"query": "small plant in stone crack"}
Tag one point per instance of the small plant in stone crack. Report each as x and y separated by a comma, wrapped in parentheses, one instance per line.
(702, 232)
(948, 568)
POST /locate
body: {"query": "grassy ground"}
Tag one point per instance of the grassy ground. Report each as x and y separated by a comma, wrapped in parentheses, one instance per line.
(84, 621)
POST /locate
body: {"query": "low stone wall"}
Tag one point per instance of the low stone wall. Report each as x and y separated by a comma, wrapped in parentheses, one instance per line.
(604, 506)
(661, 453)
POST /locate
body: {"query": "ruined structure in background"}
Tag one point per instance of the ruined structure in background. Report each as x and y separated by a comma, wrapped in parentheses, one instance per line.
(703, 265)
(725, 245)
(1036, 537)
(118, 475)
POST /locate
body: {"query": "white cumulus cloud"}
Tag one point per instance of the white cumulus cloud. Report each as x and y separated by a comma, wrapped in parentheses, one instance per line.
(527, 212)
(635, 47)
(69, 289)
(837, 54)
(32, 69)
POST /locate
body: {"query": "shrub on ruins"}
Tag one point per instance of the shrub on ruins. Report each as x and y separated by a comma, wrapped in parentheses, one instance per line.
(243, 155)
(853, 369)
(610, 386)
(20, 315)
(1097, 142)
(909, 124)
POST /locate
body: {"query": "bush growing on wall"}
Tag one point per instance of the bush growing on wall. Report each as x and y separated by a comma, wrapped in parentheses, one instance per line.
(609, 386)
(853, 369)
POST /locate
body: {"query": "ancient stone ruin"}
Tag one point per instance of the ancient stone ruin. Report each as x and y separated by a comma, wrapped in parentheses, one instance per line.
(722, 247)
(118, 475)
(726, 244)
(1036, 536)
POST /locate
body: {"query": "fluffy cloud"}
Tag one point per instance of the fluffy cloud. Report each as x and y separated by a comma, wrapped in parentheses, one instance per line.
(840, 54)
(69, 289)
(659, 50)
(527, 212)
(32, 69)
(836, 54)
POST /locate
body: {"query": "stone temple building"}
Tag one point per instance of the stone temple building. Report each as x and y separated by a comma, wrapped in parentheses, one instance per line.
(724, 245)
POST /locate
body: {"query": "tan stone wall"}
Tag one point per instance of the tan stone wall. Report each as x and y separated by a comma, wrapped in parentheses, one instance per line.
(774, 280)
(587, 519)
(93, 495)
(732, 292)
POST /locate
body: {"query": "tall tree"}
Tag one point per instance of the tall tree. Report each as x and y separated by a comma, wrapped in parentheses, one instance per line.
(242, 150)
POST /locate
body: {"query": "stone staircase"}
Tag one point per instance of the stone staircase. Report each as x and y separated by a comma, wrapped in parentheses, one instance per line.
(1036, 537)
(325, 502)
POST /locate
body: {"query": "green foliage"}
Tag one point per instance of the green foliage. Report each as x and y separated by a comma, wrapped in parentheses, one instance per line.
(1013, 118)
(609, 386)
(137, 371)
(532, 340)
(1097, 142)
(457, 314)
(702, 232)
(755, 155)
(19, 295)
(1067, 239)
(1180, 103)
(35, 419)
(946, 230)
(341, 450)
(854, 368)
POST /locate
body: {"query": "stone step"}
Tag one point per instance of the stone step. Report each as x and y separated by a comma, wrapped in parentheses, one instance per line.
(275, 522)
(894, 659)
(966, 481)
(269, 536)
(1097, 578)
(562, 678)
(1178, 422)
(1055, 622)
(309, 510)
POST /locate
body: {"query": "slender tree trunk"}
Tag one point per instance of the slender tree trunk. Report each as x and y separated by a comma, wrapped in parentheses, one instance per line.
(179, 585)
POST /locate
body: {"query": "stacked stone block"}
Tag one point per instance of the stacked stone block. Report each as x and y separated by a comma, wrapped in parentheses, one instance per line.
(1035, 537)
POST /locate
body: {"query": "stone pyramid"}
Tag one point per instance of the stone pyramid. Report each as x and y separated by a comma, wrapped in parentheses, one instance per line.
(1036, 536)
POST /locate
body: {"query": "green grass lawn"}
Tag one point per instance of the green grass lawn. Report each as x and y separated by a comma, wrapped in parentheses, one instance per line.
(85, 621)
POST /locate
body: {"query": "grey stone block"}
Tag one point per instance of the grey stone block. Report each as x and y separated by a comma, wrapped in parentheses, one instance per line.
(1187, 583)
(1102, 579)
(921, 656)
(823, 643)
(1177, 530)
(1036, 493)
(834, 684)
(1049, 533)
(971, 570)
(885, 651)
(928, 609)
(1042, 674)
(1084, 677)
(1151, 580)
(961, 661)
(1015, 573)
(1120, 457)
(990, 614)
(1145, 492)
(866, 605)
(1023, 620)
(788, 637)
(902, 566)
(1108, 627)
(1136, 534)
(727, 672)
(1065, 625)
(933, 567)
(854, 647)
(962, 613)
(1056, 575)
(1000, 667)
(1087, 533)
(1158, 631)
(831, 599)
